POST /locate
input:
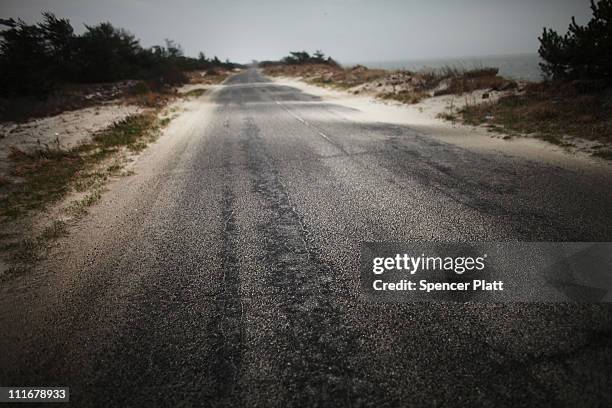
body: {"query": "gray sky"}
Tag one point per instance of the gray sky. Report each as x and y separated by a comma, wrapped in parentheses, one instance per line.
(349, 30)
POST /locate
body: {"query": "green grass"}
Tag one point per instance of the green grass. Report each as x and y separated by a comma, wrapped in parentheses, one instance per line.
(79, 207)
(46, 176)
(128, 132)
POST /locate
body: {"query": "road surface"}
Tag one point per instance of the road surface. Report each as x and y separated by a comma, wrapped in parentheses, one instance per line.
(225, 272)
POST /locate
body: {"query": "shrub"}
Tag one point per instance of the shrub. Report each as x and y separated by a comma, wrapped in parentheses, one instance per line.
(584, 51)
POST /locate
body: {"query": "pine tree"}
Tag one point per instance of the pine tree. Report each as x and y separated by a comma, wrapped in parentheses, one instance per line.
(584, 52)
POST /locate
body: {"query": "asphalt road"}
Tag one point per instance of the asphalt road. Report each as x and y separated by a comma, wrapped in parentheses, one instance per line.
(225, 272)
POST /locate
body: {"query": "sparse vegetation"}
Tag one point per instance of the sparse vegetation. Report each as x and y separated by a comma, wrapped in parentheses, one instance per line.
(45, 176)
(604, 154)
(405, 96)
(549, 111)
(451, 117)
(48, 174)
(79, 207)
(195, 93)
(128, 132)
(404, 86)
(458, 82)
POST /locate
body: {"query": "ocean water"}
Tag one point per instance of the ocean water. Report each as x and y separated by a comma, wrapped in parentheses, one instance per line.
(516, 66)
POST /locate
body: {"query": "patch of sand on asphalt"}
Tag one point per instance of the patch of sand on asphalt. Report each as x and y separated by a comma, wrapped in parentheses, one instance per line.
(423, 117)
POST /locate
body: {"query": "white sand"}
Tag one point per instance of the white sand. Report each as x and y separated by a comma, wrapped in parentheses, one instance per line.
(68, 129)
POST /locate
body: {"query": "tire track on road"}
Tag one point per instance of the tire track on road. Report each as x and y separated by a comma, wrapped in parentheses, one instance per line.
(228, 327)
(317, 366)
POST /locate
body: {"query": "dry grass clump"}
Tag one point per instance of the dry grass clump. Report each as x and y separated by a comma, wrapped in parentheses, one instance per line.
(406, 96)
(43, 176)
(551, 110)
(404, 86)
(208, 77)
(325, 74)
(148, 95)
(454, 81)
(46, 175)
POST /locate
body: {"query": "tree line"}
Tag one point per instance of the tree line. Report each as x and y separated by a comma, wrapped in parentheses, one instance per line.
(302, 58)
(34, 58)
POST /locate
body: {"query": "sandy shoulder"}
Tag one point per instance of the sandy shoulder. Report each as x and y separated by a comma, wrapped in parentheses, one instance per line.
(423, 117)
(66, 130)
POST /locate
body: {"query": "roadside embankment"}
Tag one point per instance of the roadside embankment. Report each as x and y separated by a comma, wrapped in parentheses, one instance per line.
(403, 86)
(574, 116)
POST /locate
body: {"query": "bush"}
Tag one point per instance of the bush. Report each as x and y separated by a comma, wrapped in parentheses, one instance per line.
(584, 52)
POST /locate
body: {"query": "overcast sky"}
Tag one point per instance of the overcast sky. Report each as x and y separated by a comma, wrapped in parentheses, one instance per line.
(349, 30)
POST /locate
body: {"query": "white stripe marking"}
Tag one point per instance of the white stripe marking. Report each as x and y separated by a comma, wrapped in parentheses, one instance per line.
(325, 137)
